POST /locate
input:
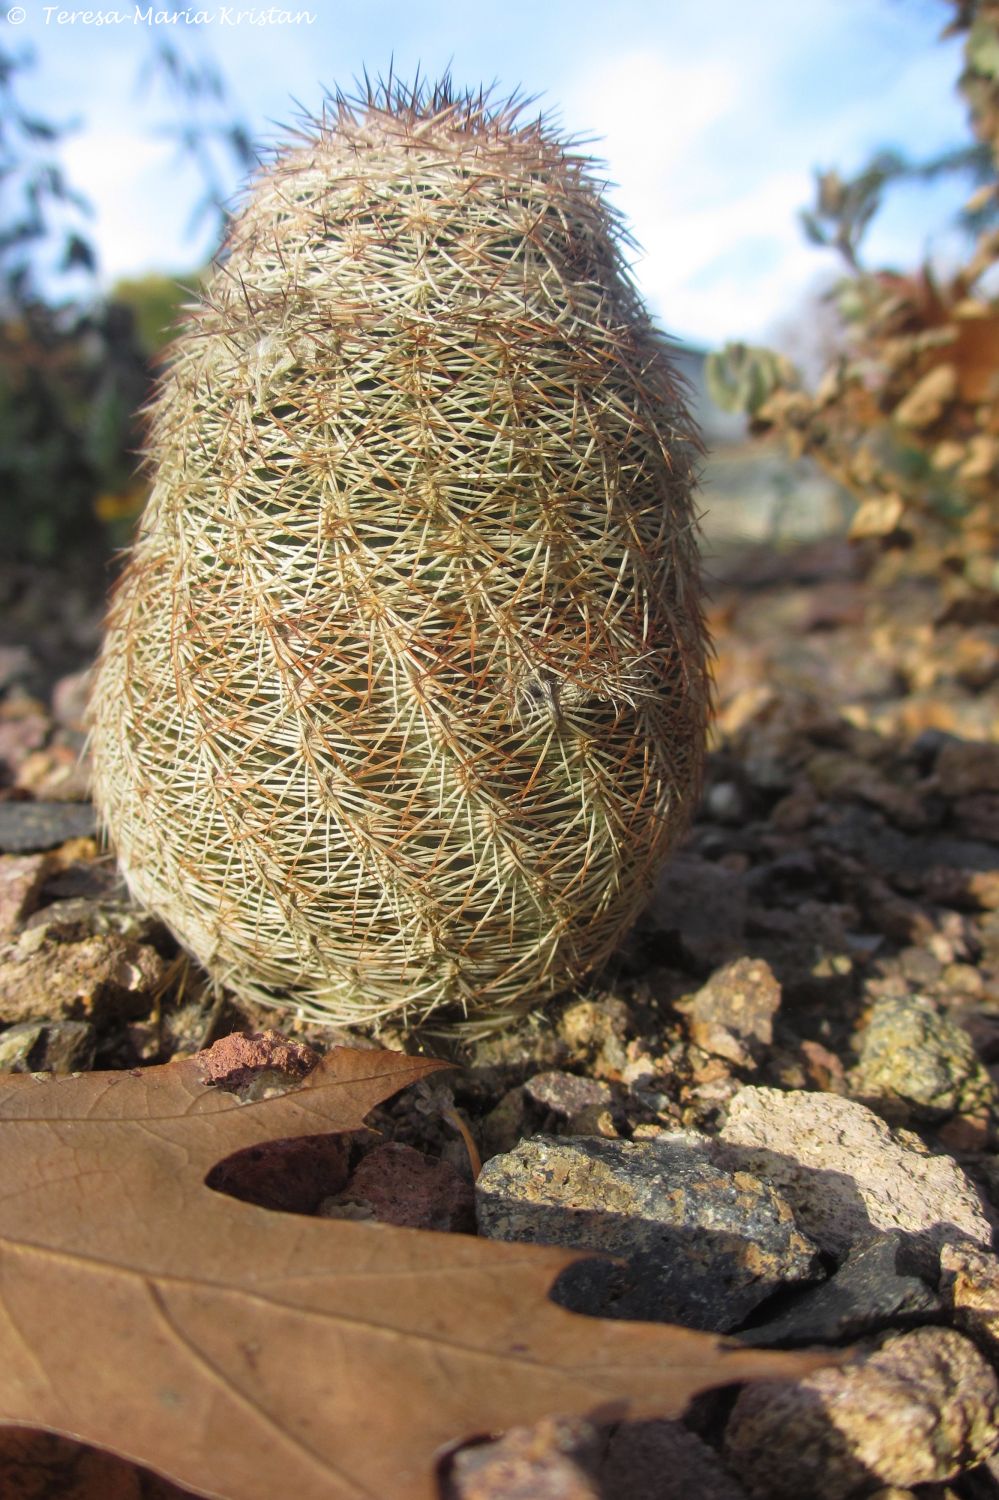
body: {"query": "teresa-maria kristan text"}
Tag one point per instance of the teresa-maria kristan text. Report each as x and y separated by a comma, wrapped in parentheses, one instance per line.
(148, 15)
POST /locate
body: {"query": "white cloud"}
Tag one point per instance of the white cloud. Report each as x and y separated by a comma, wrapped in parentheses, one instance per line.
(141, 197)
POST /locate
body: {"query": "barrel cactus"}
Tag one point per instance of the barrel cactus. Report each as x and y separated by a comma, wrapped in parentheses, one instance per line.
(402, 696)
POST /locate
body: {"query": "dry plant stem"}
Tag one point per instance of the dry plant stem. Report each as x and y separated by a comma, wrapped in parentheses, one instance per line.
(456, 1122)
(402, 700)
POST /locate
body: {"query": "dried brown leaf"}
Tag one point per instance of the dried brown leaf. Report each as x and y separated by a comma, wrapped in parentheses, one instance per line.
(246, 1353)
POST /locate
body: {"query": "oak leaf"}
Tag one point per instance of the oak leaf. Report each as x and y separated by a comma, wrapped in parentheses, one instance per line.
(248, 1354)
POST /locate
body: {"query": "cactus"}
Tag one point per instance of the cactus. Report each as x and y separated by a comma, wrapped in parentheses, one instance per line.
(402, 697)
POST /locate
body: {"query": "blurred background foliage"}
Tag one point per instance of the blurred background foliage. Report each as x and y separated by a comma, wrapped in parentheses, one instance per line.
(906, 413)
(77, 365)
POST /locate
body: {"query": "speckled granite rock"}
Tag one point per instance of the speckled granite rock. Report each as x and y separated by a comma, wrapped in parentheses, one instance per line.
(917, 1063)
(845, 1173)
(919, 1409)
(29, 826)
(703, 1245)
(867, 1294)
(969, 1281)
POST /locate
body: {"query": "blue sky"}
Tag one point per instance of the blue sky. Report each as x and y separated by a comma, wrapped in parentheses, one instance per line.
(711, 116)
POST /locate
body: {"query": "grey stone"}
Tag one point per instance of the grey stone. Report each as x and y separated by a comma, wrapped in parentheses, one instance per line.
(868, 1293)
(916, 1063)
(575, 1104)
(705, 904)
(919, 1409)
(48, 1047)
(664, 1461)
(701, 1245)
(845, 1173)
(31, 827)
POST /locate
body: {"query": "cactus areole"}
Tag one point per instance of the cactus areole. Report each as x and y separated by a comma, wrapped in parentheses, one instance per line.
(402, 698)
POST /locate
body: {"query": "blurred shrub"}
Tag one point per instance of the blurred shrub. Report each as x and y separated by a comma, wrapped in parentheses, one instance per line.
(906, 415)
(76, 367)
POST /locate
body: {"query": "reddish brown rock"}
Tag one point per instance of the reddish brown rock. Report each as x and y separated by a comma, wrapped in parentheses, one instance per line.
(732, 1015)
(235, 1061)
(21, 877)
(396, 1184)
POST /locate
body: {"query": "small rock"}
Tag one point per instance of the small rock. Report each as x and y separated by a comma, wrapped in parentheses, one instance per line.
(732, 1015)
(834, 773)
(664, 1461)
(106, 976)
(505, 1124)
(56, 773)
(48, 1047)
(29, 827)
(237, 1062)
(21, 878)
(845, 1173)
(969, 1280)
(69, 698)
(824, 1069)
(16, 664)
(916, 1063)
(705, 904)
(919, 1409)
(965, 767)
(24, 726)
(577, 1106)
(396, 1184)
(866, 1294)
(595, 1031)
(553, 1460)
(703, 1246)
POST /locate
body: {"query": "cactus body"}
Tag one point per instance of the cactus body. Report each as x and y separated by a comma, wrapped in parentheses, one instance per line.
(402, 696)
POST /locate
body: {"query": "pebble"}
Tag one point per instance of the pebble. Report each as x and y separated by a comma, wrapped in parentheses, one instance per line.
(663, 1461)
(31, 827)
(916, 1063)
(705, 904)
(732, 1015)
(396, 1184)
(21, 877)
(966, 767)
(702, 1246)
(918, 1409)
(48, 1047)
(577, 1106)
(845, 1173)
(867, 1294)
(553, 1460)
(239, 1061)
(102, 977)
(969, 1280)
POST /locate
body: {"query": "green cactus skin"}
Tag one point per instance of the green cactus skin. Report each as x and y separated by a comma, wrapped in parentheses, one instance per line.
(402, 699)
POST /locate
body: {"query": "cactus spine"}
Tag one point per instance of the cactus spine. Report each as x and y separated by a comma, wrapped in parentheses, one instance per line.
(402, 697)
